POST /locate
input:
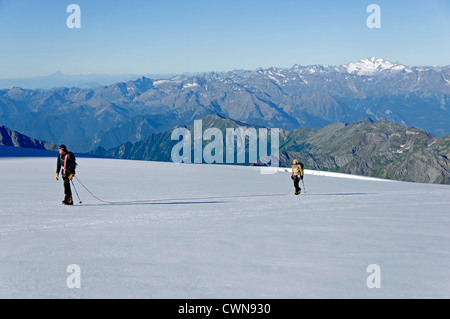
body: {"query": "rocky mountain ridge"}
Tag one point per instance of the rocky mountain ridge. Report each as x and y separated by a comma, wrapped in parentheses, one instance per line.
(311, 96)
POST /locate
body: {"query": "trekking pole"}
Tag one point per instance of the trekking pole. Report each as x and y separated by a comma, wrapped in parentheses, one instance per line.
(76, 191)
(304, 185)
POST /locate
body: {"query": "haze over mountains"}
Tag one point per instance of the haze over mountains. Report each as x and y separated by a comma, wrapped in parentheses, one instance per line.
(303, 96)
(83, 81)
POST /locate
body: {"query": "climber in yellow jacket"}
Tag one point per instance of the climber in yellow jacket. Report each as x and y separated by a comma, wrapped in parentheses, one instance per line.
(297, 175)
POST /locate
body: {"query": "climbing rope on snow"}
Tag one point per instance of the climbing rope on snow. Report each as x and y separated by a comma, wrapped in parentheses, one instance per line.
(179, 199)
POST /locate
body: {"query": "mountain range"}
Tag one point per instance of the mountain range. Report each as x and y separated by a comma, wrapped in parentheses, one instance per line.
(380, 149)
(311, 96)
(15, 139)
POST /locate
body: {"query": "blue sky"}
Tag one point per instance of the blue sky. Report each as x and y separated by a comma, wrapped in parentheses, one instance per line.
(175, 36)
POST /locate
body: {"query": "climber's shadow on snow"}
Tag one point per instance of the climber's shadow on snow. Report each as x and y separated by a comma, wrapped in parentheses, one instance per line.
(340, 194)
(153, 203)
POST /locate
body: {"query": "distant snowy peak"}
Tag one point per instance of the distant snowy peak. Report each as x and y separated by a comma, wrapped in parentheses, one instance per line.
(370, 66)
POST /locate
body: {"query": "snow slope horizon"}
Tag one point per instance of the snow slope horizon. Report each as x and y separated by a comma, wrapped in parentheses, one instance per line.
(317, 245)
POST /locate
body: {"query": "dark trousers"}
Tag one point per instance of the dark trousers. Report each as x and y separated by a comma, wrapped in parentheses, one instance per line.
(67, 190)
(296, 181)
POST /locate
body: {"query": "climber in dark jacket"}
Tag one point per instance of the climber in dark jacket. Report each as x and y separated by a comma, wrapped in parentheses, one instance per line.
(66, 164)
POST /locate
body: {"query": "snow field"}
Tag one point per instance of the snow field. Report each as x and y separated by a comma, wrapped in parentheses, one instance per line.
(316, 245)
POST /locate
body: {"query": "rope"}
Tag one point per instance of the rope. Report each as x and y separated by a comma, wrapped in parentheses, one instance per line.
(178, 199)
